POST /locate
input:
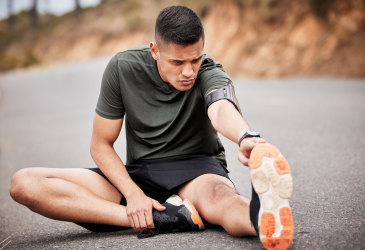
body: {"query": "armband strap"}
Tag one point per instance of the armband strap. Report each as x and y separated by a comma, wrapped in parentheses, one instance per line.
(225, 92)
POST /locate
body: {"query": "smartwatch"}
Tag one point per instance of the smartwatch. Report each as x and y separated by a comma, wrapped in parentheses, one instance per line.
(249, 133)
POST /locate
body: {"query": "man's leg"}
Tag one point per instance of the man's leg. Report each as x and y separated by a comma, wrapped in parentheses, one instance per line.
(218, 202)
(75, 195)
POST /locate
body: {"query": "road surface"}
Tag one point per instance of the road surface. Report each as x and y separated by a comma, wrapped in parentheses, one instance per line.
(317, 123)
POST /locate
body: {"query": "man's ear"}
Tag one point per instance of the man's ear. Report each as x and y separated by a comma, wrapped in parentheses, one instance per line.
(154, 51)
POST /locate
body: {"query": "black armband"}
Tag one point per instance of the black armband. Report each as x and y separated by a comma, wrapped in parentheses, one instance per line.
(225, 92)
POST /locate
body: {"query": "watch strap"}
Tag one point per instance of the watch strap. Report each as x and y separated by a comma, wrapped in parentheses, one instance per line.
(245, 136)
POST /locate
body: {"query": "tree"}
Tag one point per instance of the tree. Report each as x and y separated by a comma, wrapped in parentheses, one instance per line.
(34, 15)
(77, 9)
(11, 20)
(48, 20)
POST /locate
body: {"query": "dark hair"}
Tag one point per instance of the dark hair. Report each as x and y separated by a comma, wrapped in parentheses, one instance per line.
(180, 25)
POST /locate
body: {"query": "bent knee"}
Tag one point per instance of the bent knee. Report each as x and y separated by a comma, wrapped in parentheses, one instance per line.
(21, 185)
(221, 192)
(219, 196)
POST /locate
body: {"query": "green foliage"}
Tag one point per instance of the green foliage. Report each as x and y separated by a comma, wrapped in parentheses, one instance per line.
(12, 62)
(201, 7)
(132, 10)
(321, 7)
(16, 46)
(132, 5)
(267, 11)
(134, 20)
(24, 37)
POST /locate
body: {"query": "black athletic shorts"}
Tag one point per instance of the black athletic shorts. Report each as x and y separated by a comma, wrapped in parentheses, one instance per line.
(161, 178)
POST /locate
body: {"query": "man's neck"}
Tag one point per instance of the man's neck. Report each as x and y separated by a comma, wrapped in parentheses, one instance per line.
(158, 70)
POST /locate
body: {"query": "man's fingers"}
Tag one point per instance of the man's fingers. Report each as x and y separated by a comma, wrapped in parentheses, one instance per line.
(260, 140)
(136, 222)
(251, 145)
(246, 148)
(257, 140)
(149, 219)
(243, 159)
(142, 220)
(157, 205)
(130, 217)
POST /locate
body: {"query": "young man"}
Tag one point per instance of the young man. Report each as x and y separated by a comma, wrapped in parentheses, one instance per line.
(173, 98)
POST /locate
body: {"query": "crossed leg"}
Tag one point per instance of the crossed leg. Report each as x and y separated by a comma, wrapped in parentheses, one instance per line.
(77, 195)
(218, 202)
(81, 195)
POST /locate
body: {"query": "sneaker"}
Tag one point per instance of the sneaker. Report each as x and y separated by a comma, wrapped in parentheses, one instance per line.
(179, 216)
(272, 187)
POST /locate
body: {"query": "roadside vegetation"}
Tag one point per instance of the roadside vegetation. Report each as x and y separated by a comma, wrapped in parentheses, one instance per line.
(252, 38)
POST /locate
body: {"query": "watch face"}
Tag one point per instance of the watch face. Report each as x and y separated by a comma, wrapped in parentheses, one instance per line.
(253, 133)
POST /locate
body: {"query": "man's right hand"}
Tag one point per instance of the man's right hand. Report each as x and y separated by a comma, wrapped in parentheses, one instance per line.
(139, 211)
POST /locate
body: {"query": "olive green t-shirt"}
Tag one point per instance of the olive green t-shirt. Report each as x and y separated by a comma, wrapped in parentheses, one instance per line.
(160, 121)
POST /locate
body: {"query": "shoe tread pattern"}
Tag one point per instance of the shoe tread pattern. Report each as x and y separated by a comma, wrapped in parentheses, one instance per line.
(274, 189)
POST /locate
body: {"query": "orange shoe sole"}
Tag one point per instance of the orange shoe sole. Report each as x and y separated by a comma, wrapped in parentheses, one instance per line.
(272, 181)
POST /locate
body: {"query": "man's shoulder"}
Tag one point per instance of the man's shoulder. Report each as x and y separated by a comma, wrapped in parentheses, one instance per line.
(208, 63)
(140, 54)
(211, 76)
(209, 67)
(135, 50)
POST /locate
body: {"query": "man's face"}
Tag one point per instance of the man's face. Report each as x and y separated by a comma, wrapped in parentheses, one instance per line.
(178, 65)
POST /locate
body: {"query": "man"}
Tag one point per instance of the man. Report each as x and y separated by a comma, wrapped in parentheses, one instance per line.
(173, 98)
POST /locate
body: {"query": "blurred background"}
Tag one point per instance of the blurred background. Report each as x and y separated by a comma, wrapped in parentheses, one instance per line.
(313, 110)
(252, 38)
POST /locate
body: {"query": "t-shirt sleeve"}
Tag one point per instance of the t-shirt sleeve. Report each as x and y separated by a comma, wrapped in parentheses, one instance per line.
(110, 102)
(211, 76)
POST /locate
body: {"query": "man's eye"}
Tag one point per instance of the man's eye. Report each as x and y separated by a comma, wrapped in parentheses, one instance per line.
(178, 62)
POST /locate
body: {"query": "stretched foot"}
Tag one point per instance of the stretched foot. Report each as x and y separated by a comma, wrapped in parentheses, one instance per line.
(272, 184)
(179, 216)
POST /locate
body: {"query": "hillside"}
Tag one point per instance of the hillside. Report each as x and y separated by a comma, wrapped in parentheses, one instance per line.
(262, 38)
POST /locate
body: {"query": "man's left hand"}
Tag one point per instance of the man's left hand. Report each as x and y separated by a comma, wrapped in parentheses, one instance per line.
(246, 147)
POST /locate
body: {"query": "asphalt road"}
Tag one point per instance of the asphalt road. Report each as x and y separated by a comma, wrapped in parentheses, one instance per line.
(317, 123)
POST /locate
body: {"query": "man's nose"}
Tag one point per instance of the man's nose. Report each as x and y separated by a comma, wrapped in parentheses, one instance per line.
(188, 71)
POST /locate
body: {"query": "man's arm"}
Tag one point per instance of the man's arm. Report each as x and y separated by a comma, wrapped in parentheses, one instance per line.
(228, 121)
(139, 206)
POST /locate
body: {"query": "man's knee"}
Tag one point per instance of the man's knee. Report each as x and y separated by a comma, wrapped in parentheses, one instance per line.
(21, 184)
(221, 192)
(218, 196)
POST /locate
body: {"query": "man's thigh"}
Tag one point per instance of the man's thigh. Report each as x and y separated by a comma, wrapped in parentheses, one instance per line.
(84, 178)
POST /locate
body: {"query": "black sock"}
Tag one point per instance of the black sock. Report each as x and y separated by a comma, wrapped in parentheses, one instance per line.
(254, 210)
